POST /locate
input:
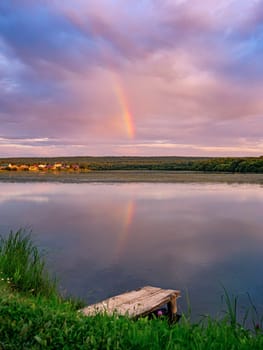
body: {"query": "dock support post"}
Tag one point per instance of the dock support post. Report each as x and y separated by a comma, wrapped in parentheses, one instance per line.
(172, 309)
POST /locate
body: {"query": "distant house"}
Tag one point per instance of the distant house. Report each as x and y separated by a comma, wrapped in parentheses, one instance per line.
(57, 165)
(42, 166)
(12, 166)
(75, 166)
(33, 168)
(23, 167)
(4, 166)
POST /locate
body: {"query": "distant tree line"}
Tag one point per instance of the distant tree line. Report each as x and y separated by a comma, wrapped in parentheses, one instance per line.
(233, 165)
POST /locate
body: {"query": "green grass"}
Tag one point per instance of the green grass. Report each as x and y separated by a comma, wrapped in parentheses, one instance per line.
(22, 266)
(46, 323)
(43, 320)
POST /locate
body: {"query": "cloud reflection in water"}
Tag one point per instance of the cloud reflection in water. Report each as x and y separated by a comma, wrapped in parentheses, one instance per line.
(184, 236)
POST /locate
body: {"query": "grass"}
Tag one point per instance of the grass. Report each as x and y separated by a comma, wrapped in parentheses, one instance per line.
(251, 317)
(22, 265)
(41, 323)
(43, 320)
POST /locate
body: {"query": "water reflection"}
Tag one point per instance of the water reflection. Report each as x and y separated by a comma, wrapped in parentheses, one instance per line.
(104, 239)
(122, 240)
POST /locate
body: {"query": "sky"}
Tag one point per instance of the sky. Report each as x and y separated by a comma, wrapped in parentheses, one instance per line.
(131, 77)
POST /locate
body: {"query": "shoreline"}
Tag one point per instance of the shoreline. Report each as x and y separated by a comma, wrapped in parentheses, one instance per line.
(126, 176)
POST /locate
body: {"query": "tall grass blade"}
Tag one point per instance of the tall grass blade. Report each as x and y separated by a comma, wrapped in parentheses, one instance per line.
(231, 308)
(22, 266)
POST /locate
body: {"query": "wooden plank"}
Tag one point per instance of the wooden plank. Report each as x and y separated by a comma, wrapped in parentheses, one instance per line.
(135, 303)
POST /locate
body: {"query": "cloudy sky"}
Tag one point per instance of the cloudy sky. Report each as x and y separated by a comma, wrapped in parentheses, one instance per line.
(131, 77)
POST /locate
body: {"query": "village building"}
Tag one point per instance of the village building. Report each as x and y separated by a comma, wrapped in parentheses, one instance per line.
(33, 168)
(42, 166)
(23, 167)
(57, 165)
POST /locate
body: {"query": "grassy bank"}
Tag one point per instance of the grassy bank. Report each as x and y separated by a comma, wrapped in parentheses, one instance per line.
(34, 316)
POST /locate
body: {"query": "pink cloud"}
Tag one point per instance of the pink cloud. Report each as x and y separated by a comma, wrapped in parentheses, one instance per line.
(183, 68)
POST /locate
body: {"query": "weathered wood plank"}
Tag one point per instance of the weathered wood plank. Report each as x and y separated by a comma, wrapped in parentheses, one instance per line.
(135, 303)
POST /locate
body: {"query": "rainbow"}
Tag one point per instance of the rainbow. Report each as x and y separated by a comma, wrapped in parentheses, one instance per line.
(125, 108)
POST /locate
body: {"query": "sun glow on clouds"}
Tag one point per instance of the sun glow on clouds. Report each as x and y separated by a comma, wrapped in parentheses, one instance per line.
(193, 149)
(23, 140)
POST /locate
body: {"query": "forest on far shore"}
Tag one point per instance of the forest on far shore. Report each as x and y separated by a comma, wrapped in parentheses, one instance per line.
(204, 164)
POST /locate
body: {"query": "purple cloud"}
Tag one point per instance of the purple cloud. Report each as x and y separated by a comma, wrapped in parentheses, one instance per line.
(190, 74)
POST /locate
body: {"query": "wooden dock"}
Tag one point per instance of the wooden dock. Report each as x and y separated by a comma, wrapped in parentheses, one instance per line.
(141, 302)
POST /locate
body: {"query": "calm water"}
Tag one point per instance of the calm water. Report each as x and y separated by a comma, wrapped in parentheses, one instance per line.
(104, 239)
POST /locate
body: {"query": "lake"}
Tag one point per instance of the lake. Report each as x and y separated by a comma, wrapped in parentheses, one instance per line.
(103, 239)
